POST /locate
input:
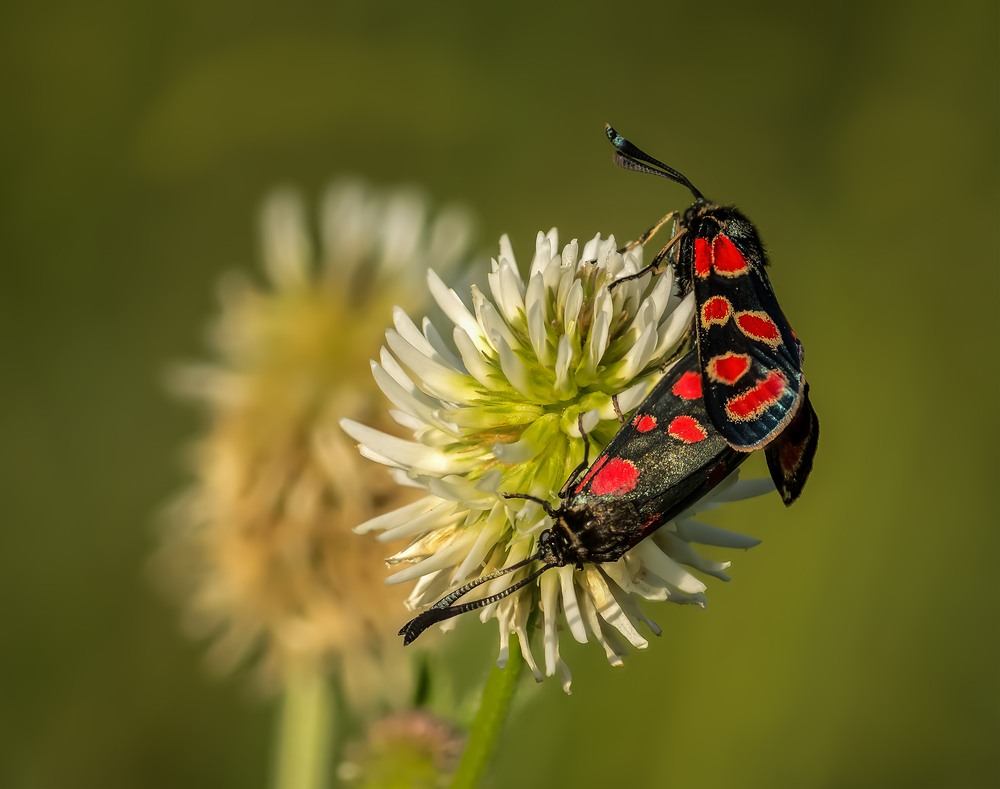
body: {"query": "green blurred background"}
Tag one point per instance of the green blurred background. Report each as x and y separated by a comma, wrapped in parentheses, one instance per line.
(857, 647)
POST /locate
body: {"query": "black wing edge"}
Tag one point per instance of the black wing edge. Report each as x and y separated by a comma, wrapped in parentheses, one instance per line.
(790, 455)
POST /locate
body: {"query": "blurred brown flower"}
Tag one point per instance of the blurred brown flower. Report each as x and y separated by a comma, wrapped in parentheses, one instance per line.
(260, 547)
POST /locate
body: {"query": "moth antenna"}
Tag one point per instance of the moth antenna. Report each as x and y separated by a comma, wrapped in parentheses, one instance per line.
(545, 505)
(448, 599)
(627, 157)
(432, 616)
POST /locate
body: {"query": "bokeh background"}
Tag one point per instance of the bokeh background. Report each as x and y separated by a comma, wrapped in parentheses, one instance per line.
(857, 646)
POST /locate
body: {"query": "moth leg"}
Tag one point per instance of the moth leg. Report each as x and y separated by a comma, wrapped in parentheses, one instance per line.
(564, 490)
(618, 411)
(655, 266)
(641, 240)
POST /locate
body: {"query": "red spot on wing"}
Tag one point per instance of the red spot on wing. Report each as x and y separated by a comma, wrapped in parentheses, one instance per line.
(759, 326)
(716, 310)
(754, 402)
(617, 477)
(702, 257)
(644, 423)
(728, 260)
(728, 368)
(688, 386)
(593, 470)
(687, 429)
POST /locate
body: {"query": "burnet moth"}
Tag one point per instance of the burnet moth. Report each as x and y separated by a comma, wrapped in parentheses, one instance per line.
(661, 461)
(751, 366)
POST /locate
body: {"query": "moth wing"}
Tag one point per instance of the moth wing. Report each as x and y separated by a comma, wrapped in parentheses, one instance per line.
(790, 455)
(664, 456)
(750, 363)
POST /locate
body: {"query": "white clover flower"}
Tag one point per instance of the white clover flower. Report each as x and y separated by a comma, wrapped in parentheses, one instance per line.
(260, 547)
(501, 417)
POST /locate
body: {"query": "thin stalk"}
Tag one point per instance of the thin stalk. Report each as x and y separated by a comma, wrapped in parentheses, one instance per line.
(493, 709)
(305, 732)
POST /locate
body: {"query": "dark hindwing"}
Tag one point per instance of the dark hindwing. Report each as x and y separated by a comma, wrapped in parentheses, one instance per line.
(663, 459)
(790, 455)
(750, 364)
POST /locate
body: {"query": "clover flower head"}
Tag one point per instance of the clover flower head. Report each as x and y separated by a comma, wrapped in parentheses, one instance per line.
(498, 412)
(260, 546)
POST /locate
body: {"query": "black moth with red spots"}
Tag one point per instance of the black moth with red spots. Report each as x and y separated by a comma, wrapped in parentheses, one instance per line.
(751, 364)
(661, 461)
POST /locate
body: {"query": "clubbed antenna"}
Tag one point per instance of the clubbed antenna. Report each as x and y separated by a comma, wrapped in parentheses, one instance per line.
(628, 157)
(443, 609)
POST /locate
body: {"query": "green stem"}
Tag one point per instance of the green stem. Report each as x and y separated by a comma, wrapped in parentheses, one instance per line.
(305, 732)
(493, 708)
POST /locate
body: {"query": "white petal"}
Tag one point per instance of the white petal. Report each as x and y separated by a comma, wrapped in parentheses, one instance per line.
(683, 553)
(489, 534)
(590, 249)
(473, 359)
(438, 344)
(631, 607)
(507, 250)
(703, 534)
(597, 344)
(440, 560)
(508, 291)
(522, 608)
(438, 380)
(490, 321)
(609, 609)
(455, 309)
(638, 356)
(409, 332)
(537, 332)
(563, 384)
(635, 394)
(550, 606)
(566, 677)
(399, 516)
(573, 616)
(408, 454)
(517, 374)
(593, 624)
(443, 514)
(419, 406)
(673, 328)
(543, 254)
(574, 301)
(665, 567)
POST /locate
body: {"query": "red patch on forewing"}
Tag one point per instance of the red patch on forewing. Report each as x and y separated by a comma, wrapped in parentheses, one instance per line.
(644, 423)
(728, 368)
(754, 402)
(617, 477)
(759, 326)
(687, 429)
(716, 310)
(727, 259)
(688, 386)
(593, 470)
(702, 257)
